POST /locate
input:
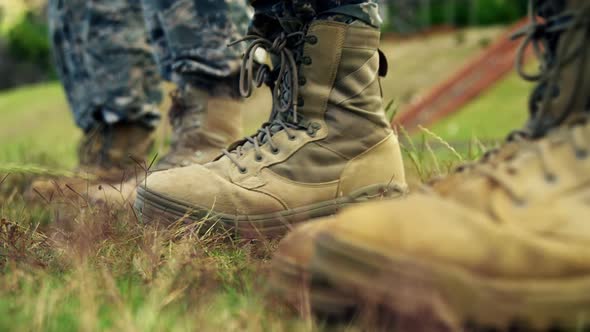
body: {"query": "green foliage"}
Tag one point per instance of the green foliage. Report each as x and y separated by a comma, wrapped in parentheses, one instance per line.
(458, 13)
(492, 116)
(28, 42)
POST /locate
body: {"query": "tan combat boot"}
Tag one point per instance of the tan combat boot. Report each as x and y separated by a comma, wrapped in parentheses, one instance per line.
(109, 157)
(202, 125)
(290, 277)
(327, 144)
(504, 245)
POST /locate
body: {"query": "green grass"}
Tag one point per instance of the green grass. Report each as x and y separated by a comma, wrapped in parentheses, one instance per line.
(119, 276)
(78, 267)
(421, 63)
(12, 10)
(484, 122)
(491, 116)
(37, 127)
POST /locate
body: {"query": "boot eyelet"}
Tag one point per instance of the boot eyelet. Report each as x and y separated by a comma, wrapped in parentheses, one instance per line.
(243, 170)
(582, 154)
(302, 80)
(275, 151)
(312, 40)
(258, 158)
(306, 60)
(292, 138)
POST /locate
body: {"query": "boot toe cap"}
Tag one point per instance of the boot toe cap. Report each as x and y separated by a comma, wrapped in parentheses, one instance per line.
(198, 188)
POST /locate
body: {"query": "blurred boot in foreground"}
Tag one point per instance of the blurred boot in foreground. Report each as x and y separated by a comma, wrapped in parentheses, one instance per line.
(504, 244)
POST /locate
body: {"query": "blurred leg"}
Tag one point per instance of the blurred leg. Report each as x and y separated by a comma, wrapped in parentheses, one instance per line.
(121, 65)
(67, 21)
(190, 38)
(111, 81)
(273, 16)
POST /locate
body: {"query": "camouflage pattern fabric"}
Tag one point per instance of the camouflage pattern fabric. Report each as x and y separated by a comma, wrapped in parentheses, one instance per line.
(275, 15)
(105, 50)
(190, 37)
(104, 62)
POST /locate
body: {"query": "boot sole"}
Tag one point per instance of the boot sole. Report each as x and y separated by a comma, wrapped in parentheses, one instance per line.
(154, 208)
(475, 302)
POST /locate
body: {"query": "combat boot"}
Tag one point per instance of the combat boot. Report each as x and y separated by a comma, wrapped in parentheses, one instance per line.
(504, 244)
(327, 144)
(508, 246)
(202, 125)
(109, 156)
(290, 278)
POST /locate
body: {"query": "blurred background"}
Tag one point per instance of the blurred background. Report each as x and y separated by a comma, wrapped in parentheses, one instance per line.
(450, 71)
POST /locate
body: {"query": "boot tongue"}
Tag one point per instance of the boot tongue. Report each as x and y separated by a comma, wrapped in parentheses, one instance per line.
(274, 126)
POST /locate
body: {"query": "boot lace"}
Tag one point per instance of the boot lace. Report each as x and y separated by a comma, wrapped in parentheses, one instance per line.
(284, 81)
(543, 36)
(543, 153)
(500, 167)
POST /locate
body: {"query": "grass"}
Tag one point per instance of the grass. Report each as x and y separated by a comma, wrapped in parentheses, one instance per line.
(421, 63)
(106, 272)
(36, 127)
(498, 111)
(11, 11)
(83, 267)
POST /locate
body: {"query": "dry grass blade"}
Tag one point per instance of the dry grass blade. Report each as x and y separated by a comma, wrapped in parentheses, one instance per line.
(4, 179)
(441, 141)
(433, 157)
(43, 171)
(391, 110)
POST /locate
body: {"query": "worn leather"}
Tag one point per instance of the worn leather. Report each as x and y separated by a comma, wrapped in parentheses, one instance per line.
(507, 221)
(353, 147)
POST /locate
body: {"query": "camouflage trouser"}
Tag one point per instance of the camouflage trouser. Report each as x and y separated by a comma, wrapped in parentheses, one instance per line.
(274, 15)
(105, 53)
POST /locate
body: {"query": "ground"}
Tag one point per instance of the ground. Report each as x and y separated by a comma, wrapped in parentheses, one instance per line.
(97, 269)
